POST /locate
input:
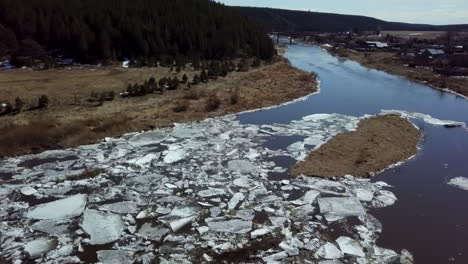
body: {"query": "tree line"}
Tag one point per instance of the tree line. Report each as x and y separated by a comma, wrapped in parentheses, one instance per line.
(90, 31)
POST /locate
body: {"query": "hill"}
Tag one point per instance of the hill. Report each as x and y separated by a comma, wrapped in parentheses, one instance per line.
(90, 30)
(282, 20)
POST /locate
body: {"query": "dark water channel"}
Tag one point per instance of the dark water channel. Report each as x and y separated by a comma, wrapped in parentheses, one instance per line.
(430, 218)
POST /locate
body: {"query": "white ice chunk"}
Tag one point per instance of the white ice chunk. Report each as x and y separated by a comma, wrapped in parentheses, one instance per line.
(38, 247)
(385, 198)
(241, 166)
(103, 228)
(151, 232)
(406, 257)
(211, 193)
(244, 182)
(114, 256)
(145, 160)
(350, 246)
(340, 207)
(459, 182)
(27, 190)
(291, 246)
(296, 147)
(275, 257)
(120, 208)
(179, 224)
(61, 209)
(183, 132)
(260, 232)
(231, 226)
(329, 251)
(175, 155)
(235, 200)
(310, 196)
(364, 195)
(52, 227)
(426, 118)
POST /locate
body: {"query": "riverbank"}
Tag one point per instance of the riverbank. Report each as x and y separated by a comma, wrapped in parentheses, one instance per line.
(71, 121)
(377, 143)
(386, 61)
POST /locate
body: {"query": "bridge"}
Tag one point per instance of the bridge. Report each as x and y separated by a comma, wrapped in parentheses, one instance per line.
(290, 36)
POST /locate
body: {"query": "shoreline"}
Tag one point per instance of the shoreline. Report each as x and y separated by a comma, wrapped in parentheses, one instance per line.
(68, 126)
(401, 71)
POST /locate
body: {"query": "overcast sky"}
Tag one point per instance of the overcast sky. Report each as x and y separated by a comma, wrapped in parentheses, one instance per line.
(412, 11)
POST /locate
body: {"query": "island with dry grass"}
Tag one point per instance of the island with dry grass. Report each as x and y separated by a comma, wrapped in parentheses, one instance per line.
(377, 143)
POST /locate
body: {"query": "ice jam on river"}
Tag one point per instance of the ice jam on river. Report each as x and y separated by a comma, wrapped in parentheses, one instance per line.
(198, 192)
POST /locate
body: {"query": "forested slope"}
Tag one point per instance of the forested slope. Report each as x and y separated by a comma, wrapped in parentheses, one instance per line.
(91, 30)
(290, 20)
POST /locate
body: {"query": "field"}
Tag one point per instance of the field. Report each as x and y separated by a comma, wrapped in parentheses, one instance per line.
(415, 34)
(71, 119)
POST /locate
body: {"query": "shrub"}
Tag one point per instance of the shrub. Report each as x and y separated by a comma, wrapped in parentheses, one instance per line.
(235, 95)
(43, 102)
(102, 98)
(111, 96)
(196, 79)
(256, 63)
(212, 103)
(19, 104)
(180, 106)
(192, 95)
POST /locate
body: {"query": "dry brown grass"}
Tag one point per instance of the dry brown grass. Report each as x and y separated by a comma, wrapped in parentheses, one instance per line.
(378, 142)
(70, 121)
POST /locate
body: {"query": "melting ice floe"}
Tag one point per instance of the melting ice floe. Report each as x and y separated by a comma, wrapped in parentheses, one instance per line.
(459, 182)
(209, 180)
(426, 118)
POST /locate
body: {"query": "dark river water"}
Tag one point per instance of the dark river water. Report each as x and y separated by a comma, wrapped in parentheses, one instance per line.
(430, 218)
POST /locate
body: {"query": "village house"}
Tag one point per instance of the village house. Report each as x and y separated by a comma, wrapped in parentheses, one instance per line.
(377, 44)
(432, 53)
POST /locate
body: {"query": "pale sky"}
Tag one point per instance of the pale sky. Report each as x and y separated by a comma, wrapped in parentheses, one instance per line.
(412, 11)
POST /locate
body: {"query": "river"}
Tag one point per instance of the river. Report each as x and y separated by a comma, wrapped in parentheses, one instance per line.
(430, 218)
(219, 189)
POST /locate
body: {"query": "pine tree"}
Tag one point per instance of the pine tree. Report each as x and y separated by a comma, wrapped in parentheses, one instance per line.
(184, 78)
(43, 102)
(203, 76)
(196, 79)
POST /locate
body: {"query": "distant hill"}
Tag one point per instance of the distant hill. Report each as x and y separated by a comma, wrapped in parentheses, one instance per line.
(94, 30)
(281, 20)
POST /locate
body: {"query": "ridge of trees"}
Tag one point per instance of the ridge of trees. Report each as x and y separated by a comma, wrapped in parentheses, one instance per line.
(90, 31)
(282, 20)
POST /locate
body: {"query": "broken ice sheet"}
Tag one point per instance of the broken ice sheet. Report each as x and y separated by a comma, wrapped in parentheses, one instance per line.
(61, 209)
(340, 207)
(182, 176)
(151, 232)
(329, 251)
(231, 226)
(103, 228)
(115, 256)
(38, 247)
(125, 207)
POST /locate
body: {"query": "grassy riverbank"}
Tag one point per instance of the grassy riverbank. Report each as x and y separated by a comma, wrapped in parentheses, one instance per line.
(71, 120)
(377, 143)
(386, 61)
